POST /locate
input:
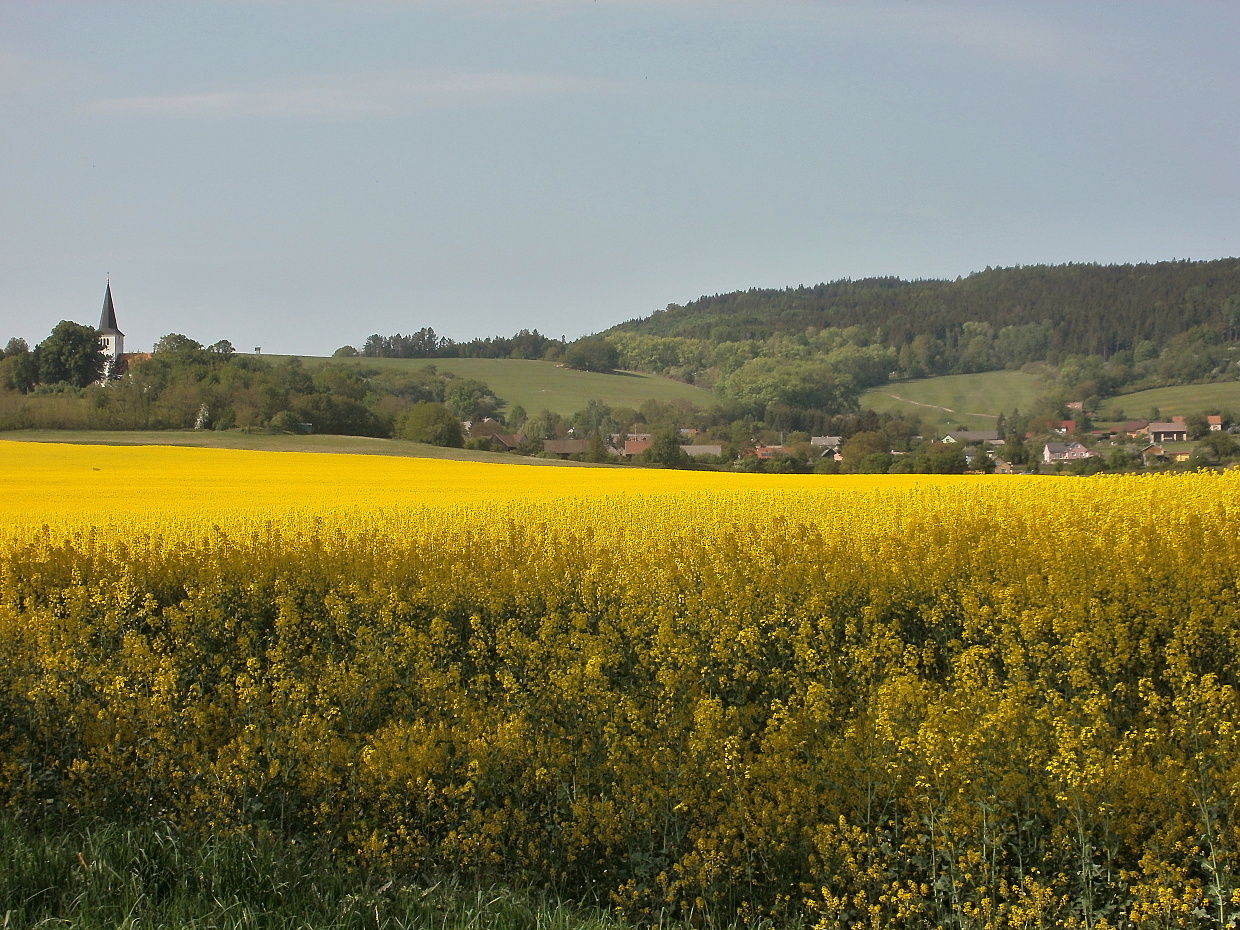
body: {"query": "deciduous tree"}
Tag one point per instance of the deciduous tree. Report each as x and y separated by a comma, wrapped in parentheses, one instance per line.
(431, 423)
(592, 355)
(71, 354)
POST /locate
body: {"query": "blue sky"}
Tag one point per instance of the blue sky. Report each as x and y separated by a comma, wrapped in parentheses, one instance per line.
(298, 175)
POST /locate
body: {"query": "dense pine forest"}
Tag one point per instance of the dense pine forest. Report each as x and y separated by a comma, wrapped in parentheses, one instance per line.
(1092, 309)
(1021, 314)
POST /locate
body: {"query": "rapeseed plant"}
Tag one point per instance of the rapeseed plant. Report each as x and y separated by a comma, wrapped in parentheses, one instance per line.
(910, 701)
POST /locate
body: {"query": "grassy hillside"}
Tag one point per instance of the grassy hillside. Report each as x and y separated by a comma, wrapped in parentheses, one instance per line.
(1180, 400)
(273, 442)
(537, 385)
(974, 401)
(956, 401)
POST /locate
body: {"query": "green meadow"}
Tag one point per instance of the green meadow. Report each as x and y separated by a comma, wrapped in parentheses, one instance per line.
(538, 385)
(956, 401)
(1180, 400)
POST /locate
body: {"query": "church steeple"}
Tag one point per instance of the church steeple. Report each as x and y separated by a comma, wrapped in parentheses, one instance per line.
(111, 339)
(107, 319)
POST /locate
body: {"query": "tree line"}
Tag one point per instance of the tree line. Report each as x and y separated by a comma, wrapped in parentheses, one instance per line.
(183, 384)
(426, 343)
(591, 353)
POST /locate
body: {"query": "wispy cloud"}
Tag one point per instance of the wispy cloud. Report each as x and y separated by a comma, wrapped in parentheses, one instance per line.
(353, 95)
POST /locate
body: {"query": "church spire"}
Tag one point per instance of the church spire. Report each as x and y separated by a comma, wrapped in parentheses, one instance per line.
(107, 319)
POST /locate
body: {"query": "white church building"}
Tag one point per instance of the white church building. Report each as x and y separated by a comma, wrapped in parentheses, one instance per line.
(111, 339)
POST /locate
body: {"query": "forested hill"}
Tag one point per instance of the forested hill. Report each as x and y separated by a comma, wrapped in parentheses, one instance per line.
(1092, 309)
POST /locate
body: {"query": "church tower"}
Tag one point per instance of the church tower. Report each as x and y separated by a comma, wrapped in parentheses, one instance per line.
(111, 339)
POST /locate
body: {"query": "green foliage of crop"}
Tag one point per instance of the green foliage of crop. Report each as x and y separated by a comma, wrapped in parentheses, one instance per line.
(97, 874)
(973, 703)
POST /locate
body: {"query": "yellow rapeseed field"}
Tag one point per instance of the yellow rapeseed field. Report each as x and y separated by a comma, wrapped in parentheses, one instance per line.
(66, 483)
(912, 701)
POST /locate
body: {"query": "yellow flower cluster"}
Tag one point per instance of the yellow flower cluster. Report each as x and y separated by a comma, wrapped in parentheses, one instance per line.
(914, 701)
(116, 486)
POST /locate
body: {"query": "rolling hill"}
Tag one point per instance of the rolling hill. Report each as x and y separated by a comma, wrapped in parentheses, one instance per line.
(1092, 309)
(539, 385)
(956, 401)
(1179, 400)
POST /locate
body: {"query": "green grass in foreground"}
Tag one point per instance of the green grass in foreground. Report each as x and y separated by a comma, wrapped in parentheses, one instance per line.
(105, 876)
(1181, 400)
(537, 385)
(274, 442)
(956, 401)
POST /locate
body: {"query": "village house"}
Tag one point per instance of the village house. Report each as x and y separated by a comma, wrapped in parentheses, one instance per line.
(973, 437)
(1064, 452)
(827, 447)
(506, 442)
(566, 447)
(634, 447)
(769, 452)
(1155, 454)
(1152, 455)
(699, 451)
(1216, 422)
(1168, 432)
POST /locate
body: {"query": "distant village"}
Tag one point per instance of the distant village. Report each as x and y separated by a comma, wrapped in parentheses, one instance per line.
(1074, 447)
(1066, 446)
(289, 399)
(1156, 443)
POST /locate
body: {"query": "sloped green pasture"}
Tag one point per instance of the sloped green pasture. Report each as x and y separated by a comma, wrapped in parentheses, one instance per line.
(539, 385)
(956, 401)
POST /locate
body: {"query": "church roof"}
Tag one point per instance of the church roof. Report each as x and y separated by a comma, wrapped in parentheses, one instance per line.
(107, 319)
